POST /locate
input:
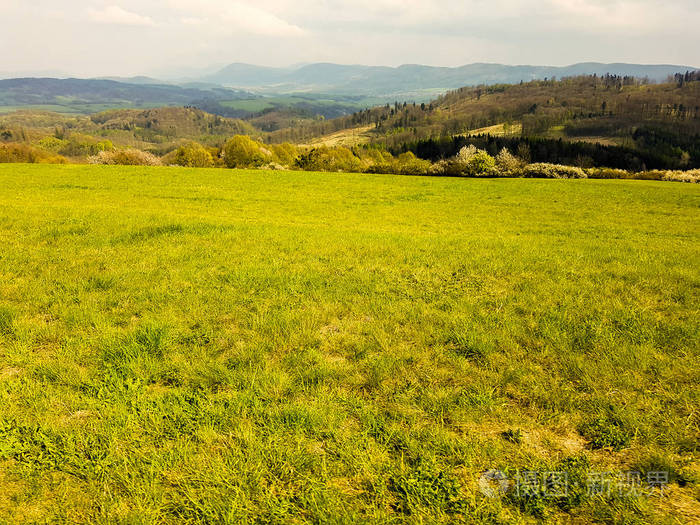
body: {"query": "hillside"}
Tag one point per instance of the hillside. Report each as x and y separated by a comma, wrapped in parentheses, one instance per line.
(611, 110)
(91, 95)
(158, 130)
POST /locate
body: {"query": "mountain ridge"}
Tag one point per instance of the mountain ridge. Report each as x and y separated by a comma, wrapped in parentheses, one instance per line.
(407, 78)
(84, 93)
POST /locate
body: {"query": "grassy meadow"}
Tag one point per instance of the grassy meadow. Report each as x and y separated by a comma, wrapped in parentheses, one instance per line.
(224, 346)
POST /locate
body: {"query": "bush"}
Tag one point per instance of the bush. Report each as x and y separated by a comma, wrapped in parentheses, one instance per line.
(28, 154)
(409, 164)
(608, 173)
(481, 164)
(243, 152)
(129, 157)
(650, 175)
(508, 165)
(692, 176)
(466, 154)
(324, 158)
(377, 160)
(470, 162)
(553, 171)
(275, 166)
(193, 155)
(286, 154)
(52, 144)
(449, 168)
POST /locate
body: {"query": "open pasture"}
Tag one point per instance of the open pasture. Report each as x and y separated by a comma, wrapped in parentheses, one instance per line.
(204, 346)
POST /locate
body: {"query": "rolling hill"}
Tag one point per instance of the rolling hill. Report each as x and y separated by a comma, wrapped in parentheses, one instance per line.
(421, 82)
(301, 92)
(660, 121)
(91, 95)
(157, 130)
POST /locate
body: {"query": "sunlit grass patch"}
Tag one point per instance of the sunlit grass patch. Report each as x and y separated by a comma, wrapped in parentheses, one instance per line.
(230, 346)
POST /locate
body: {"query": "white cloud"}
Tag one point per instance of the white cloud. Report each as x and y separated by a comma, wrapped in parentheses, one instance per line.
(609, 14)
(114, 14)
(192, 21)
(235, 17)
(73, 35)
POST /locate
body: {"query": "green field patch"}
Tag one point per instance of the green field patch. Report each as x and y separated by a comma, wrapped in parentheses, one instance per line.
(225, 346)
(254, 106)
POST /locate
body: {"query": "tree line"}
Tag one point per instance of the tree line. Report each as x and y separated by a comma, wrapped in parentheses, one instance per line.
(659, 153)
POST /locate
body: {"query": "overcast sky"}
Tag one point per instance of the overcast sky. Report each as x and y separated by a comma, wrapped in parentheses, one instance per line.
(153, 37)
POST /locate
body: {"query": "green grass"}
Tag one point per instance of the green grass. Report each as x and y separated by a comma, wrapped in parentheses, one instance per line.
(223, 346)
(253, 105)
(260, 104)
(39, 107)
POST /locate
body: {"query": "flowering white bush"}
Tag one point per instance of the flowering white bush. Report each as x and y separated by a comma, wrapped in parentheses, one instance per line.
(129, 157)
(466, 154)
(507, 164)
(607, 173)
(692, 176)
(543, 170)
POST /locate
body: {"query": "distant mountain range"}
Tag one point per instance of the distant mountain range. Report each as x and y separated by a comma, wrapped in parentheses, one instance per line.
(406, 79)
(327, 89)
(83, 94)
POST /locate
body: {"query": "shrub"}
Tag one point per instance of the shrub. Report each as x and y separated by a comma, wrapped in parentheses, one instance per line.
(374, 155)
(128, 157)
(451, 168)
(52, 144)
(466, 154)
(439, 168)
(471, 162)
(286, 153)
(481, 164)
(193, 155)
(409, 164)
(243, 152)
(25, 153)
(692, 176)
(324, 158)
(275, 166)
(507, 164)
(377, 160)
(553, 171)
(608, 173)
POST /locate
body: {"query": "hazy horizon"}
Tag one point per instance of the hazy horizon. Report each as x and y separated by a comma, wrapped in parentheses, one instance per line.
(90, 38)
(195, 73)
